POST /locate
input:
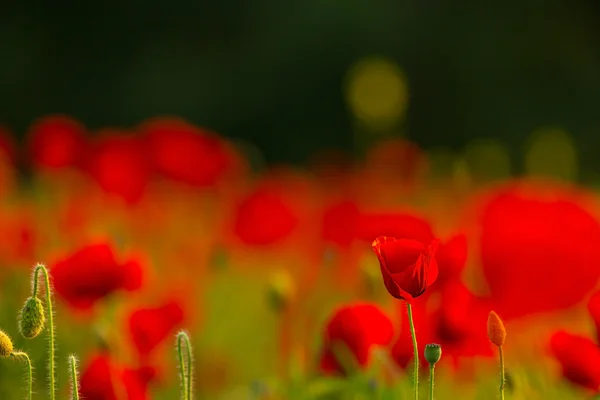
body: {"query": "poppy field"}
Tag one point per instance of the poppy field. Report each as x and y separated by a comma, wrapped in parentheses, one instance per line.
(164, 261)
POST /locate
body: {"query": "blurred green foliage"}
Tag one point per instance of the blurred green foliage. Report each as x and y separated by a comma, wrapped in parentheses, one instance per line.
(271, 72)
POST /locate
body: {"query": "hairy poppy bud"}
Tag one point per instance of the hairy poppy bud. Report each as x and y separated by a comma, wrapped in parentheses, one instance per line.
(495, 329)
(32, 318)
(433, 353)
(281, 290)
(6, 345)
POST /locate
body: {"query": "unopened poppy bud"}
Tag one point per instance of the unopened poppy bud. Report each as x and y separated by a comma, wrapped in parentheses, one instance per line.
(32, 318)
(6, 345)
(495, 329)
(281, 290)
(433, 353)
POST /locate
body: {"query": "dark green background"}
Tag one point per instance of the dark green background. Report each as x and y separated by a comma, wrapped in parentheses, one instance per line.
(271, 71)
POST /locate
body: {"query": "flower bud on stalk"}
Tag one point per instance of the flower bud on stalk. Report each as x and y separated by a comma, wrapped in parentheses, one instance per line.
(32, 319)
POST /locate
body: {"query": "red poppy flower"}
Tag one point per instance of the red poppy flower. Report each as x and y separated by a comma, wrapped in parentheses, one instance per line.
(339, 223)
(56, 142)
(540, 249)
(92, 273)
(579, 358)
(149, 327)
(593, 307)
(359, 327)
(408, 267)
(451, 258)
(102, 379)
(185, 153)
(264, 218)
(119, 164)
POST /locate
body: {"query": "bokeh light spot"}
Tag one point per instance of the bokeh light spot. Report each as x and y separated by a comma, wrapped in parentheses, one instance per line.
(376, 92)
(551, 153)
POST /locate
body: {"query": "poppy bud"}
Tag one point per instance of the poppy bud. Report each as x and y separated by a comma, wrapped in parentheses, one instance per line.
(495, 329)
(32, 318)
(281, 290)
(433, 353)
(6, 345)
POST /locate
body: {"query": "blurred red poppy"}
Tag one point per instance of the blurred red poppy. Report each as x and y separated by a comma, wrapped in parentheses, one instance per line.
(119, 164)
(451, 258)
(593, 307)
(92, 273)
(540, 248)
(185, 153)
(264, 217)
(408, 267)
(579, 358)
(149, 327)
(358, 327)
(339, 223)
(457, 322)
(56, 142)
(103, 379)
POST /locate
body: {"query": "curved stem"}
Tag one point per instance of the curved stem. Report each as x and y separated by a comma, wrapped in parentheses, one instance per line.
(502, 378)
(74, 377)
(185, 366)
(415, 350)
(51, 369)
(24, 355)
(431, 378)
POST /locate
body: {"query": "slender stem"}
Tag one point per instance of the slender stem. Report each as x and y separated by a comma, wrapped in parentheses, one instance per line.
(24, 355)
(185, 367)
(415, 350)
(431, 378)
(51, 369)
(502, 378)
(74, 377)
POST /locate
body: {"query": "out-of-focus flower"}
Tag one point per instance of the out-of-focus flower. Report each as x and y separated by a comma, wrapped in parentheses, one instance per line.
(103, 379)
(579, 358)
(119, 164)
(56, 142)
(149, 327)
(457, 322)
(358, 327)
(540, 249)
(185, 153)
(451, 258)
(92, 273)
(340, 223)
(264, 217)
(408, 267)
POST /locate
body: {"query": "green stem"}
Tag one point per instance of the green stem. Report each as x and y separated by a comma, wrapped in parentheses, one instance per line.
(431, 378)
(185, 366)
(24, 355)
(51, 369)
(74, 378)
(415, 350)
(502, 378)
